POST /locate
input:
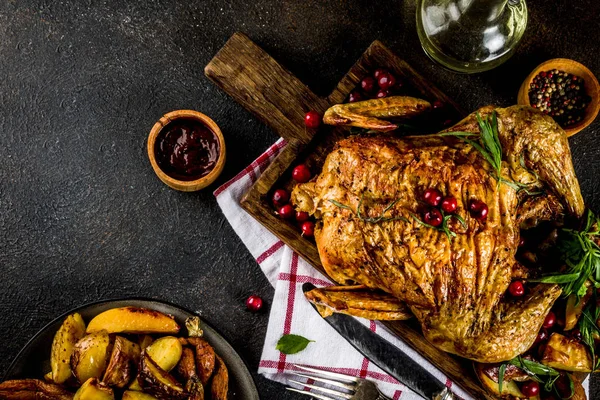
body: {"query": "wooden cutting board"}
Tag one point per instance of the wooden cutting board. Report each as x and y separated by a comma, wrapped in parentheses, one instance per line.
(260, 84)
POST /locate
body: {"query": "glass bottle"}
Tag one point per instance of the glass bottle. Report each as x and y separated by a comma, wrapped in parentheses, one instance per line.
(470, 35)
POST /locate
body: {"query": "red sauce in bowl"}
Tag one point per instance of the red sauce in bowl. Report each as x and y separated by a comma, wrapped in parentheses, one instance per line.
(186, 149)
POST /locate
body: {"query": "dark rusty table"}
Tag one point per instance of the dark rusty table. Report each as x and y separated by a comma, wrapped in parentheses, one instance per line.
(82, 215)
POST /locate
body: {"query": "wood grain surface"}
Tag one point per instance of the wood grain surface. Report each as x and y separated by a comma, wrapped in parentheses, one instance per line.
(260, 84)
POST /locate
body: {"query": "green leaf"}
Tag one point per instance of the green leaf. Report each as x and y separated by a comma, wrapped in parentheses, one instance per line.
(501, 372)
(340, 205)
(292, 344)
(533, 368)
(562, 278)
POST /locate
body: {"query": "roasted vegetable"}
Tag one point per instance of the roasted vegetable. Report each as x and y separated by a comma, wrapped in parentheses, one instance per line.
(165, 352)
(69, 333)
(133, 320)
(510, 388)
(90, 356)
(575, 307)
(145, 341)
(371, 114)
(157, 381)
(566, 354)
(205, 357)
(123, 363)
(220, 381)
(193, 327)
(187, 365)
(92, 389)
(33, 389)
(135, 395)
(195, 389)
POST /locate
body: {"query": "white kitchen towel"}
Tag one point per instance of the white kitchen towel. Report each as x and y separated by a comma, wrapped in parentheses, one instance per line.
(291, 313)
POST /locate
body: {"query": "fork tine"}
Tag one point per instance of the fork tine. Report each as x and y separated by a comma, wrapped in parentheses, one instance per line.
(311, 394)
(329, 374)
(323, 390)
(328, 381)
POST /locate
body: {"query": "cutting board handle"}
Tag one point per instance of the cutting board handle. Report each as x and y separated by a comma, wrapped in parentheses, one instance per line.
(260, 84)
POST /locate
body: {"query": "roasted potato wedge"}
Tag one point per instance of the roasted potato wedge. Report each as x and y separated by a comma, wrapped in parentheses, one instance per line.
(135, 395)
(123, 363)
(157, 381)
(69, 333)
(195, 389)
(510, 389)
(187, 365)
(90, 356)
(205, 357)
(574, 308)
(566, 354)
(145, 341)
(133, 320)
(92, 389)
(220, 381)
(33, 389)
(165, 352)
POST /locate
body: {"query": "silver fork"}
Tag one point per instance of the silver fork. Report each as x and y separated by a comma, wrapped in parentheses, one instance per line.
(354, 388)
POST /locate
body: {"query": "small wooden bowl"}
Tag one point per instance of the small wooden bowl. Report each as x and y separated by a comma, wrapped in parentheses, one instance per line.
(591, 85)
(186, 186)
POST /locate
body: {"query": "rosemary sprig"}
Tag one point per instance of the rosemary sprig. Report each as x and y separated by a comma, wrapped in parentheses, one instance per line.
(581, 254)
(444, 225)
(490, 148)
(381, 218)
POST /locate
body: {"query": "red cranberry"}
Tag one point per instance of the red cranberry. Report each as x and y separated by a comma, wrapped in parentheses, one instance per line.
(530, 389)
(563, 387)
(479, 210)
(280, 197)
(354, 97)
(433, 197)
(368, 84)
(433, 217)
(386, 81)
(286, 212)
(379, 72)
(576, 334)
(308, 229)
(312, 120)
(449, 204)
(301, 173)
(301, 216)
(254, 303)
(550, 320)
(542, 336)
(382, 93)
(516, 289)
(437, 104)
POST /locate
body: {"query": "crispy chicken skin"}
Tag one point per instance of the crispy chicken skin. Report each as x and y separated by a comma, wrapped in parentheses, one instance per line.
(454, 287)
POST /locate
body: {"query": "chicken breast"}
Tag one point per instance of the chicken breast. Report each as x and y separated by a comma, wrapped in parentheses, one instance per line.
(370, 230)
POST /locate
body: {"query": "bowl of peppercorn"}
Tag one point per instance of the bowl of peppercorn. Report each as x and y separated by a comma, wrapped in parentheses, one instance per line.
(564, 89)
(186, 150)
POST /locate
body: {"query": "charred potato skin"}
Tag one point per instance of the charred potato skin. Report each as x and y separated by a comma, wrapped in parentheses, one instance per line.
(195, 389)
(123, 363)
(90, 356)
(69, 333)
(93, 389)
(187, 365)
(33, 389)
(158, 382)
(205, 357)
(134, 320)
(220, 381)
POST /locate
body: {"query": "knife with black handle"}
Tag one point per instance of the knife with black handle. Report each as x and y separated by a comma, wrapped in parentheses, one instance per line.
(387, 356)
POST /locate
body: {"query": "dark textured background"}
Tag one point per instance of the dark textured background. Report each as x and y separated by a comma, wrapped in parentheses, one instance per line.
(82, 215)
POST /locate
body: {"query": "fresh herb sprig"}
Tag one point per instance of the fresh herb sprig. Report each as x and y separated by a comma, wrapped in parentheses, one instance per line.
(371, 220)
(292, 344)
(490, 147)
(444, 225)
(581, 254)
(538, 372)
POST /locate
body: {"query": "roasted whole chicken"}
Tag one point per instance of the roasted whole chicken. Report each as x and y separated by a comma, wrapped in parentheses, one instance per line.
(372, 240)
